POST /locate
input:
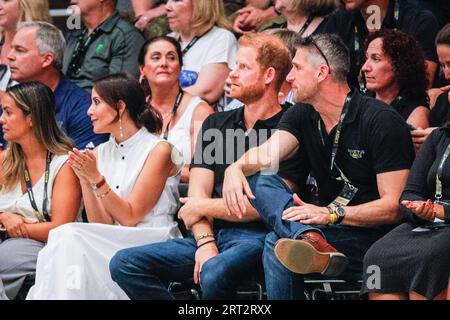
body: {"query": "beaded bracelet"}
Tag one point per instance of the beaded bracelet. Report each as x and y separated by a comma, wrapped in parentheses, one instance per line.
(203, 236)
(101, 196)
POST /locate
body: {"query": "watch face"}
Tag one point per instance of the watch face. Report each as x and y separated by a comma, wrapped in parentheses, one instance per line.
(340, 211)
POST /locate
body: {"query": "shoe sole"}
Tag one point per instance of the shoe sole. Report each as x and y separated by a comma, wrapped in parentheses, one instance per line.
(301, 257)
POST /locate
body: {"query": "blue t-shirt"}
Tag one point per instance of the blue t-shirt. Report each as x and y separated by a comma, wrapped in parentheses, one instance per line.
(72, 104)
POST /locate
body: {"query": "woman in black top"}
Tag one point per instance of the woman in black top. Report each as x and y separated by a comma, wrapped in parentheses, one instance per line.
(414, 262)
(395, 71)
(440, 114)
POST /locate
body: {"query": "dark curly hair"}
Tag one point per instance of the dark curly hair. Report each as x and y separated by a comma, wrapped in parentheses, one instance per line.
(408, 61)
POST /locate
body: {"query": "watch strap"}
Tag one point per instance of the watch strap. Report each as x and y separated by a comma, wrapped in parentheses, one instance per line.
(98, 185)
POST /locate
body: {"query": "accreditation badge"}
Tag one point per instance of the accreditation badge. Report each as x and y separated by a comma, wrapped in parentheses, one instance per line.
(346, 195)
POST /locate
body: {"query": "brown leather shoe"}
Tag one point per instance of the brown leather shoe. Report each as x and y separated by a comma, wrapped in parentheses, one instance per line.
(311, 254)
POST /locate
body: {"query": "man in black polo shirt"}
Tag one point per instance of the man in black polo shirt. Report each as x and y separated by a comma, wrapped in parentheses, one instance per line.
(360, 152)
(353, 22)
(223, 250)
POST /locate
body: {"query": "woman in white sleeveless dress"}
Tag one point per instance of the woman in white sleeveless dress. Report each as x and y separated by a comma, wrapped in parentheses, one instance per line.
(160, 62)
(129, 187)
(39, 190)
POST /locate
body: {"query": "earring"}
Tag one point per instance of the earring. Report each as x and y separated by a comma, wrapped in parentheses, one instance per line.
(120, 127)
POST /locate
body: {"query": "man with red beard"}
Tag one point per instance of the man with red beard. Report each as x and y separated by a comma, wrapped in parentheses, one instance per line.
(223, 251)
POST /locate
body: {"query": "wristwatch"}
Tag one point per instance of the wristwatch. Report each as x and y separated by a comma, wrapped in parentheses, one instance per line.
(98, 185)
(340, 211)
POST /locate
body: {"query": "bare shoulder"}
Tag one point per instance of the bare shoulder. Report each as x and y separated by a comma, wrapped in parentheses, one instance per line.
(65, 174)
(161, 152)
(203, 107)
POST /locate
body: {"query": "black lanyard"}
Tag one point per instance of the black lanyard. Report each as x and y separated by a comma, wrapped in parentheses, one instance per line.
(337, 136)
(80, 50)
(192, 42)
(438, 193)
(174, 111)
(305, 25)
(44, 216)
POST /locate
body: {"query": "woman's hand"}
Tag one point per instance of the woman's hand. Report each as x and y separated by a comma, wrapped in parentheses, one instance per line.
(422, 209)
(85, 166)
(15, 225)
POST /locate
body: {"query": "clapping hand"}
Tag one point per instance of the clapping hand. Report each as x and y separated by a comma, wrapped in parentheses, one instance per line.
(84, 165)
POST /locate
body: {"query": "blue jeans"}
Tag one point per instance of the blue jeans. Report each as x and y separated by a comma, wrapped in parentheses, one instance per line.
(145, 272)
(273, 196)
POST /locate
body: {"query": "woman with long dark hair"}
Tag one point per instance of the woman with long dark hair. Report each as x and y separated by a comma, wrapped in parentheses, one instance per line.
(39, 190)
(129, 187)
(182, 114)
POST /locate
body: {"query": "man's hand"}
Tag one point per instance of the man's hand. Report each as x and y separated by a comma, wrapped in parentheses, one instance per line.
(15, 225)
(306, 213)
(202, 255)
(191, 212)
(234, 186)
(419, 136)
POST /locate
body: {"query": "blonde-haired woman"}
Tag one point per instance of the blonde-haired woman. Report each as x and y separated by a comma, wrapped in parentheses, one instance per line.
(39, 190)
(209, 48)
(11, 13)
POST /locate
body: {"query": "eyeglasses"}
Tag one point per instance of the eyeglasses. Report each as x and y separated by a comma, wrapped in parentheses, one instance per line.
(310, 40)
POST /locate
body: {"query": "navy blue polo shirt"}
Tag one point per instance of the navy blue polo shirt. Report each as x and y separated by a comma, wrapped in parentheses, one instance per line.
(72, 104)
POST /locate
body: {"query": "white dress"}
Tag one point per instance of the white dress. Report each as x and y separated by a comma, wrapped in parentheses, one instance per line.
(180, 134)
(75, 262)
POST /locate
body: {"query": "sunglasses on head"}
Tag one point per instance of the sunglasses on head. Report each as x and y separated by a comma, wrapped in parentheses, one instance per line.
(310, 41)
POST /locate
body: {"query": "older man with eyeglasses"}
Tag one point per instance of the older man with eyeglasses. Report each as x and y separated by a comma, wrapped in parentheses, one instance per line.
(36, 55)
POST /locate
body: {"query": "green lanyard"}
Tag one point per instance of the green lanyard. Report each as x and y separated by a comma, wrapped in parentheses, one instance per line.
(43, 217)
(438, 193)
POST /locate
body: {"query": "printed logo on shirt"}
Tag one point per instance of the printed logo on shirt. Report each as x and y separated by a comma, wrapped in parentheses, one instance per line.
(356, 154)
(99, 48)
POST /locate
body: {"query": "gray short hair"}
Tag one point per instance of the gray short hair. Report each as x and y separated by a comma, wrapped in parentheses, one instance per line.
(333, 49)
(48, 39)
